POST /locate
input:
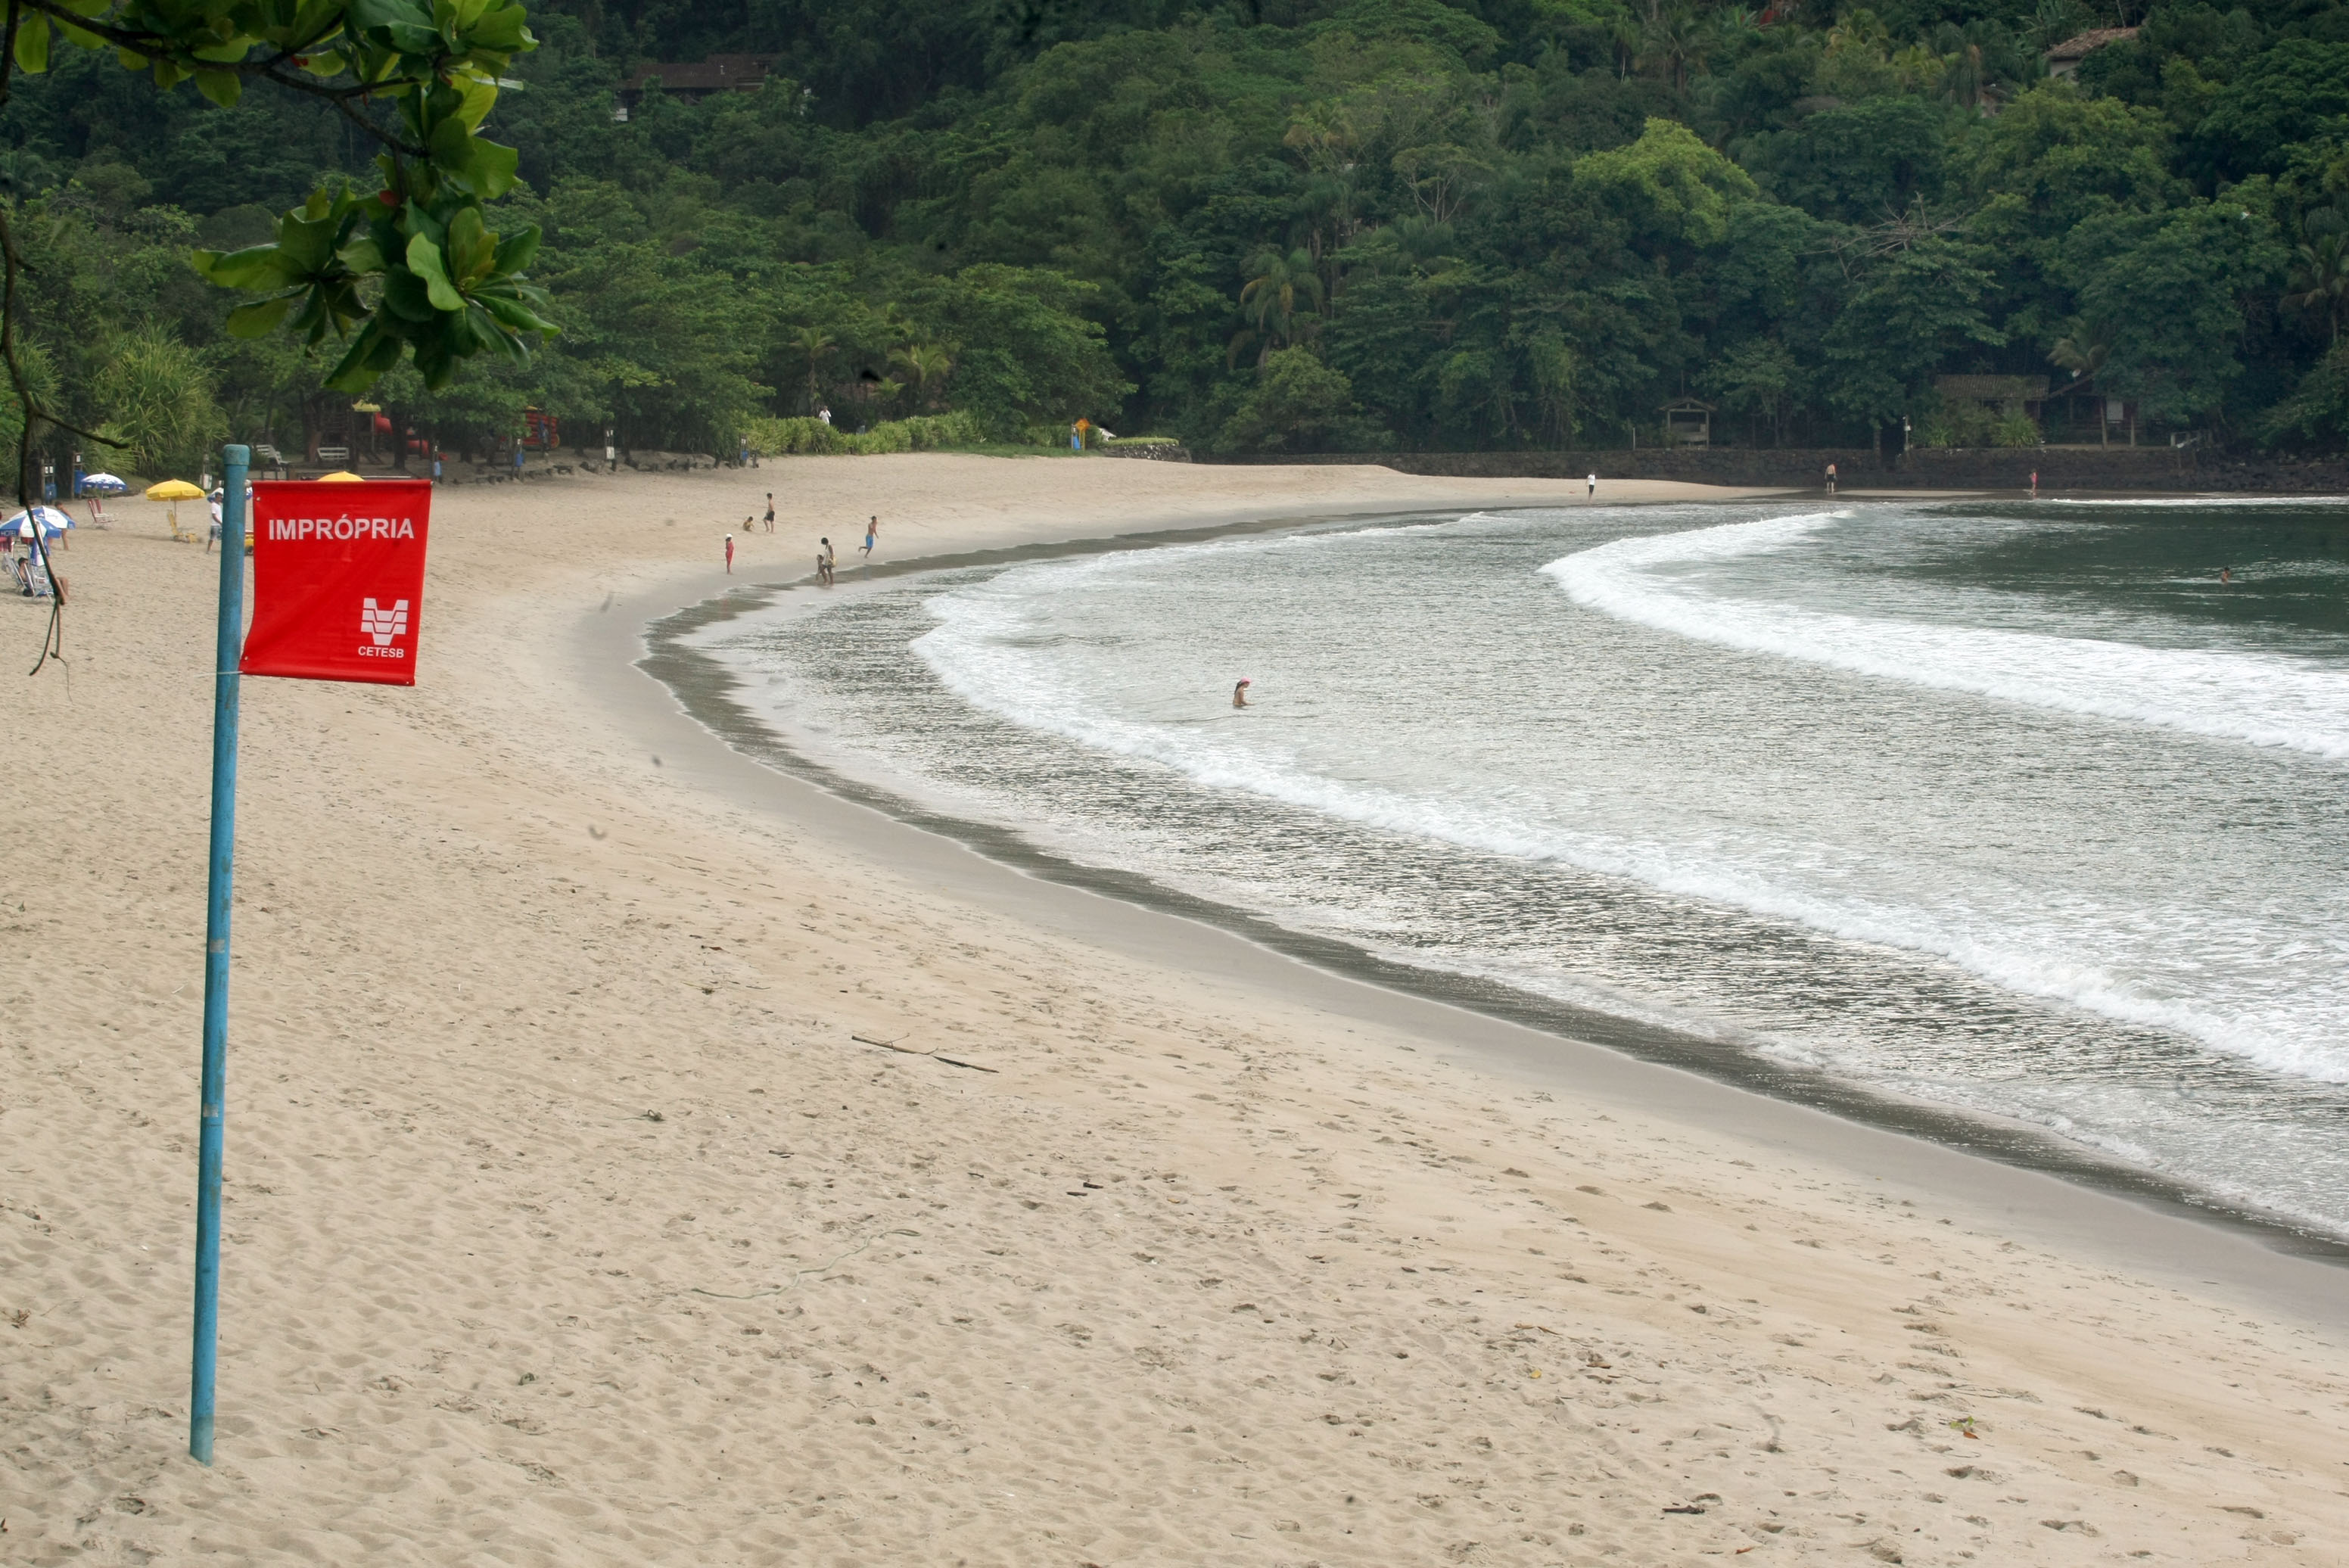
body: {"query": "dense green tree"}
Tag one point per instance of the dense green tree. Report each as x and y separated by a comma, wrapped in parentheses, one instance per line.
(1499, 222)
(1911, 309)
(2173, 288)
(1300, 405)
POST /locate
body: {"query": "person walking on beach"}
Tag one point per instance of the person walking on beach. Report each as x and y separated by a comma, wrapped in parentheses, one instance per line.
(872, 533)
(1239, 694)
(771, 511)
(1594, 487)
(729, 552)
(1831, 479)
(823, 562)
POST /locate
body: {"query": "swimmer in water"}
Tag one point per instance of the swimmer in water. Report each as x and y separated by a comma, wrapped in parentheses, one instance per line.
(2226, 574)
(1239, 695)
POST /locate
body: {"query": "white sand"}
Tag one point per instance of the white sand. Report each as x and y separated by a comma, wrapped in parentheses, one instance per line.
(567, 1223)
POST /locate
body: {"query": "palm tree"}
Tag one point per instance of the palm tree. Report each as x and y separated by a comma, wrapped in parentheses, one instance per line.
(926, 365)
(1673, 42)
(2320, 271)
(2083, 350)
(1271, 299)
(813, 344)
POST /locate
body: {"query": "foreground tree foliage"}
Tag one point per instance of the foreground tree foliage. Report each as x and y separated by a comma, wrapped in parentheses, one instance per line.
(408, 268)
(1275, 226)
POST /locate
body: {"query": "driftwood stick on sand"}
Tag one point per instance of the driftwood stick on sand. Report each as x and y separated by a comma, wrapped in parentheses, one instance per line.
(932, 1053)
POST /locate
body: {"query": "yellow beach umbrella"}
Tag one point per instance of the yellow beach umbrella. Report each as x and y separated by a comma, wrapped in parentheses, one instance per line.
(342, 477)
(175, 492)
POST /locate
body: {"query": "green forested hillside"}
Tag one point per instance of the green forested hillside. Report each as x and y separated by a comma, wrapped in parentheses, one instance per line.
(1297, 225)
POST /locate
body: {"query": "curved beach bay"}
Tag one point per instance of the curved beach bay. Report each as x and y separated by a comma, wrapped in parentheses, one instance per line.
(569, 1220)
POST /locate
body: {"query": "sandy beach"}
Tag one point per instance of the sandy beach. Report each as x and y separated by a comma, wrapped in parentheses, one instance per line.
(573, 1216)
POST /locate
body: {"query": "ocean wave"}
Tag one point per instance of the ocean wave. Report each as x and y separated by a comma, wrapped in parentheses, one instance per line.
(1664, 580)
(983, 649)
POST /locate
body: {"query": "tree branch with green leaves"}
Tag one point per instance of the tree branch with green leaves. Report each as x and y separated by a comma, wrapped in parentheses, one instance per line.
(411, 269)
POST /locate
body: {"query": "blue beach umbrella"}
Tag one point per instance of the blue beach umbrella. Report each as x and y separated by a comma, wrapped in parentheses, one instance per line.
(103, 484)
(48, 519)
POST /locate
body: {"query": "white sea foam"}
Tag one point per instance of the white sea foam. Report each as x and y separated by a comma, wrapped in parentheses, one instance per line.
(986, 650)
(1661, 581)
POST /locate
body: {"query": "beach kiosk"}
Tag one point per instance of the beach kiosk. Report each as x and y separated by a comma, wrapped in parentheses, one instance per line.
(1688, 422)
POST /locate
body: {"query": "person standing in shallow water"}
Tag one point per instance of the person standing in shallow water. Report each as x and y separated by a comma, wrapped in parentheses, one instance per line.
(729, 556)
(1239, 695)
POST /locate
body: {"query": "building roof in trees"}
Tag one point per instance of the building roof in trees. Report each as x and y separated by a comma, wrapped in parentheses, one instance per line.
(2068, 54)
(717, 74)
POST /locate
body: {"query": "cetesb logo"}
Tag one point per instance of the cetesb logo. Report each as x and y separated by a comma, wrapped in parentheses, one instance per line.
(384, 623)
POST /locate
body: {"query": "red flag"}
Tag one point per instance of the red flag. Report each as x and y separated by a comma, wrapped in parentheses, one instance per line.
(337, 579)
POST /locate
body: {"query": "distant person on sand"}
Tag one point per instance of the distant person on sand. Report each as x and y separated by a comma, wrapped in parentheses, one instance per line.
(771, 511)
(872, 533)
(730, 551)
(2034, 484)
(1239, 694)
(1831, 479)
(823, 561)
(1594, 486)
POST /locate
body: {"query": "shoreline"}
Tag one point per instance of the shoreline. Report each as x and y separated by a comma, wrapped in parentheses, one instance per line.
(636, 1154)
(700, 688)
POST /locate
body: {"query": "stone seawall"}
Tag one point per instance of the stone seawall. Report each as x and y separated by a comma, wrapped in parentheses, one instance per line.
(2059, 468)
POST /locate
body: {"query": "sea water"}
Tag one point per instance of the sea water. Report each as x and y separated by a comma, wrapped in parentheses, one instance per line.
(2015, 808)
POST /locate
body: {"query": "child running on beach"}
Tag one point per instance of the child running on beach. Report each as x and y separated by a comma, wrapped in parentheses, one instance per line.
(872, 533)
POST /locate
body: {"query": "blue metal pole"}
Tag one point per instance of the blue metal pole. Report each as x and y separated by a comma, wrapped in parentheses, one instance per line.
(229, 646)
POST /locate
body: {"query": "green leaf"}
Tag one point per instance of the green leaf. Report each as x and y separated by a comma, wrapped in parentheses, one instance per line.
(255, 267)
(32, 45)
(424, 261)
(473, 249)
(480, 96)
(223, 88)
(421, 41)
(494, 168)
(308, 243)
(362, 255)
(259, 319)
(351, 374)
(367, 16)
(407, 296)
(512, 314)
(517, 250)
(451, 147)
(506, 30)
